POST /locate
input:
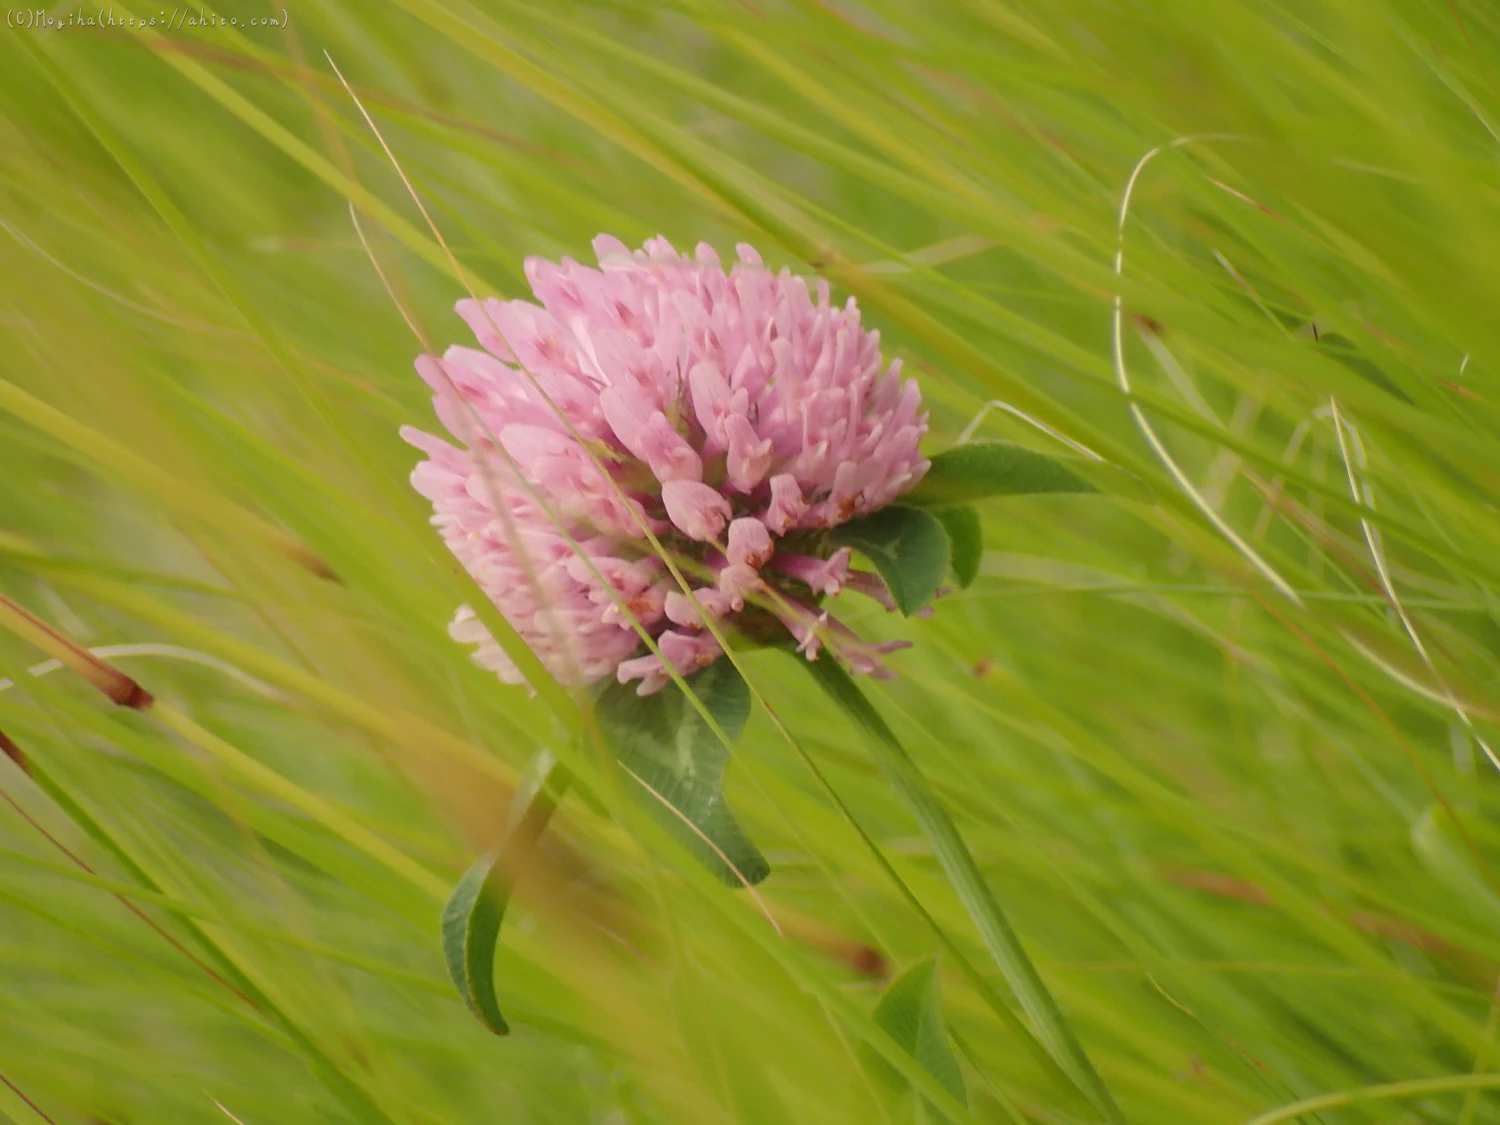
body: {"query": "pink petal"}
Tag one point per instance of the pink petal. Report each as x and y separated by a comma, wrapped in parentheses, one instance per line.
(698, 511)
(750, 543)
(627, 415)
(824, 576)
(749, 454)
(648, 670)
(687, 652)
(737, 583)
(710, 399)
(680, 609)
(787, 505)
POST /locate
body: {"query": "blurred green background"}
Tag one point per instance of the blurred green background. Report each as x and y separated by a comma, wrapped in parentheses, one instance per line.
(1223, 756)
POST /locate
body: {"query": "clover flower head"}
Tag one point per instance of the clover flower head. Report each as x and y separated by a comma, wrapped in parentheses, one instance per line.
(732, 416)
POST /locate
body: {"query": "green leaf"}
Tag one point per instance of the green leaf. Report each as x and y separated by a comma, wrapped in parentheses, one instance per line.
(909, 548)
(473, 913)
(965, 542)
(983, 469)
(974, 892)
(911, 1013)
(677, 763)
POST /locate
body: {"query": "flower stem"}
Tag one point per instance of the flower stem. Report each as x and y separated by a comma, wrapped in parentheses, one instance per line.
(962, 871)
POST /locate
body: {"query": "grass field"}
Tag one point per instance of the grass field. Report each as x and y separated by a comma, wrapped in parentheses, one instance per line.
(1220, 747)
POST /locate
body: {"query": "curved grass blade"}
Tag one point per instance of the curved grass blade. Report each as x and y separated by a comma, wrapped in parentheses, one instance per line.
(979, 901)
(472, 915)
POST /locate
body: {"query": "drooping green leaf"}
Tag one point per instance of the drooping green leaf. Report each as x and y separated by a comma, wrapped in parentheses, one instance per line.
(471, 928)
(908, 547)
(983, 469)
(965, 541)
(473, 913)
(677, 764)
(911, 1013)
